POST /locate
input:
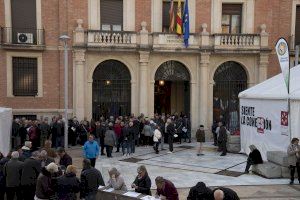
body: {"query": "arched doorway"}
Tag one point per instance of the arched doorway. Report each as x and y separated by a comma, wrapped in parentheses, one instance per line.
(230, 79)
(172, 89)
(111, 89)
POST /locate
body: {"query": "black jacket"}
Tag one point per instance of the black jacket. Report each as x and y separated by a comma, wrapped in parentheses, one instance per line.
(65, 161)
(144, 185)
(229, 194)
(200, 192)
(44, 186)
(171, 130)
(67, 186)
(30, 172)
(12, 171)
(90, 179)
(255, 156)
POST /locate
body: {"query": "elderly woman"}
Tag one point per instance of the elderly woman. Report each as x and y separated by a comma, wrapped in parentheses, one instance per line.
(142, 182)
(293, 152)
(109, 140)
(116, 181)
(254, 158)
(68, 185)
(44, 185)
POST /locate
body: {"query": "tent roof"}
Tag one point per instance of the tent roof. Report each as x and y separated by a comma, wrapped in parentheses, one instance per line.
(2, 109)
(275, 88)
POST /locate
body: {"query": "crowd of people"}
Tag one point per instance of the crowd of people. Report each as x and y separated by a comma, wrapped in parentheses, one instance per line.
(124, 132)
(38, 177)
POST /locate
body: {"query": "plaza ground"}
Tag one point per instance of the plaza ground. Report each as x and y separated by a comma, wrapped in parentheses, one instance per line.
(185, 169)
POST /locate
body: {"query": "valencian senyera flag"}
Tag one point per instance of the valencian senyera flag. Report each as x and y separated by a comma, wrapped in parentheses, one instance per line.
(186, 24)
(282, 51)
(179, 19)
(172, 17)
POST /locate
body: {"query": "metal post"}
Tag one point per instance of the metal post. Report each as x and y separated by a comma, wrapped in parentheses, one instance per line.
(296, 55)
(65, 39)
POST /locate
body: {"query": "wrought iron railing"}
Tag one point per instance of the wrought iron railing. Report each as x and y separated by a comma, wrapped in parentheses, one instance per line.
(22, 36)
(237, 40)
(97, 37)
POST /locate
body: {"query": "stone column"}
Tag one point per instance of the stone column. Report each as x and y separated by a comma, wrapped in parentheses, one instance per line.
(264, 55)
(263, 66)
(194, 106)
(143, 81)
(203, 84)
(79, 80)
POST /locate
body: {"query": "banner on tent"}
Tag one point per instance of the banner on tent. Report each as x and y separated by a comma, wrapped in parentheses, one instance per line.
(264, 123)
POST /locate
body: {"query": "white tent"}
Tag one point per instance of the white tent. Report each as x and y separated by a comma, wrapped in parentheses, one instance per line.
(5, 129)
(263, 111)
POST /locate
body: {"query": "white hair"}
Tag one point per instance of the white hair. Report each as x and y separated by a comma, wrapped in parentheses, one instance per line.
(52, 168)
(15, 154)
(219, 195)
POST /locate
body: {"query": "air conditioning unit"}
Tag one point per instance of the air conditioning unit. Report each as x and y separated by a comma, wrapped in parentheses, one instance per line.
(25, 38)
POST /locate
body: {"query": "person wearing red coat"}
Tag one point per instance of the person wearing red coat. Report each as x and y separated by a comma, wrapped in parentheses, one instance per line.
(165, 189)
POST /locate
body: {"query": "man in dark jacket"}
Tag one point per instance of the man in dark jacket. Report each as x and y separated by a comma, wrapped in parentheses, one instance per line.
(65, 159)
(254, 158)
(223, 193)
(90, 179)
(222, 140)
(30, 173)
(170, 133)
(166, 189)
(12, 172)
(200, 192)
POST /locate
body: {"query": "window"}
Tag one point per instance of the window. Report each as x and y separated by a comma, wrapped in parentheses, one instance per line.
(166, 15)
(23, 17)
(111, 15)
(297, 26)
(24, 76)
(231, 18)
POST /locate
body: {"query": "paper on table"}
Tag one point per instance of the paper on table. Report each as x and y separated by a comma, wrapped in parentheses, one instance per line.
(101, 186)
(109, 190)
(132, 194)
(149, 198)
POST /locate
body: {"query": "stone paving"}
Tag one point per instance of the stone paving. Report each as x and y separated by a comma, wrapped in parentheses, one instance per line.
(185, 169)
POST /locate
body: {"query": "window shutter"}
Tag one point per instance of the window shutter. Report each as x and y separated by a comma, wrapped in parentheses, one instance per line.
(111, 12)
(166, 16)
(297, 28)
(232, 9)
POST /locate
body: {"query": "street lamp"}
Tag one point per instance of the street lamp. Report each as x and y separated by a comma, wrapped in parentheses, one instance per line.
(64, 39)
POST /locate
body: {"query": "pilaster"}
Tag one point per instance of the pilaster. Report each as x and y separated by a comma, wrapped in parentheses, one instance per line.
(203, 84)
(143, 90)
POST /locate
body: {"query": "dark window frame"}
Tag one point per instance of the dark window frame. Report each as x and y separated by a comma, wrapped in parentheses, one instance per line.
(232, 10)
(111, 24)
(297, 26)
(25, 76)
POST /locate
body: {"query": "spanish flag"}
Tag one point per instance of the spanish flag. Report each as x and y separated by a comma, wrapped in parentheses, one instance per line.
(172, 17)
(179, 19)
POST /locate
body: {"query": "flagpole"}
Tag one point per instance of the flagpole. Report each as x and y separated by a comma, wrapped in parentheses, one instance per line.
(289, 105)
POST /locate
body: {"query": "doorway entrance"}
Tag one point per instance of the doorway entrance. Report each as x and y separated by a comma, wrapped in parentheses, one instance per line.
(172, 89)
(230, 79)
(111, 90)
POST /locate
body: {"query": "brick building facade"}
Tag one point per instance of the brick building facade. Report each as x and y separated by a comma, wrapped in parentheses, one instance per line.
(224, 34)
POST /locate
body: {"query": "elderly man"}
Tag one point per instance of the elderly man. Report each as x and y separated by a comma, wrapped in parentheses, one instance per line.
(30, 173)
(12, 172)
(223, 193)
(65, 159)
(165, 189)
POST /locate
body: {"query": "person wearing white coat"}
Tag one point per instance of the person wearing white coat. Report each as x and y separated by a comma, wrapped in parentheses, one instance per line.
(156, 138)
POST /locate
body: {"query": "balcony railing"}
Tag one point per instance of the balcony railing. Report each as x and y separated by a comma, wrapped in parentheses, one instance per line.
(22, 36)
(236, 41)
(111, 38)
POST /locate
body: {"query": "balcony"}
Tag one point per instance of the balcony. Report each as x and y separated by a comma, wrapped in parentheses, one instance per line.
(111, 39)
(236, 42)
(22, 38)
(170, 42)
